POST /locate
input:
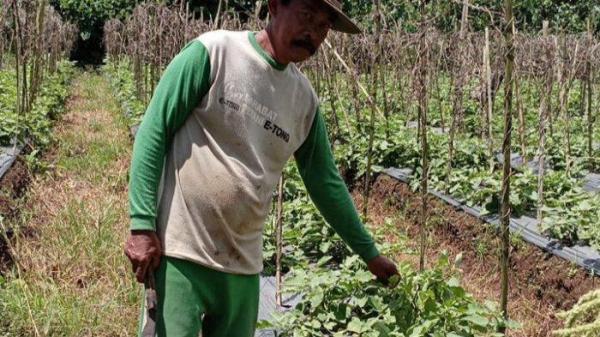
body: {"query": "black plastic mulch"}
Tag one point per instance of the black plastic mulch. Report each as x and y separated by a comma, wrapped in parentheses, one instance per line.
(527, 227)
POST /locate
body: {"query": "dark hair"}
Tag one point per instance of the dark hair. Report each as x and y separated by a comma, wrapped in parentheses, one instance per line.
(285, 2)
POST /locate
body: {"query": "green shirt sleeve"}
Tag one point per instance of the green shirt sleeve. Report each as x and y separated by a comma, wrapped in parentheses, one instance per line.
(181, 88)
(329, 192)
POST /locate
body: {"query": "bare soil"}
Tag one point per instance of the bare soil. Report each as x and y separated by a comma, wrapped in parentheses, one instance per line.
(541, 284)
(13, 186)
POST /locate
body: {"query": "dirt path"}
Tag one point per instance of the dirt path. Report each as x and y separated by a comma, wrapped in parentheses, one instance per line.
(70, 277)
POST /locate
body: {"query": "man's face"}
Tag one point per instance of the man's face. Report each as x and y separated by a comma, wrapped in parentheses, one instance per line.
(300, 27)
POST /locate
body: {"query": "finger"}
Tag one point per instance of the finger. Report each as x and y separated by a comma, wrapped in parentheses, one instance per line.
(391, 267)
(135, 261)
(156, 262)
(126, 251)
(137, 272)
(383, 280)
(128, 247)
(140, 273)
(134, 267)
(387, 272)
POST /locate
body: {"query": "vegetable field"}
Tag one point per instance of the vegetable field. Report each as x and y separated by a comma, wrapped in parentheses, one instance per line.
(500, 122)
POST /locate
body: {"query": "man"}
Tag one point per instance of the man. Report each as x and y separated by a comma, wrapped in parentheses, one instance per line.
(228, 113)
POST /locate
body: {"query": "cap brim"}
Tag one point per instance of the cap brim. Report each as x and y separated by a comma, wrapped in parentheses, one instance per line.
(343, 23)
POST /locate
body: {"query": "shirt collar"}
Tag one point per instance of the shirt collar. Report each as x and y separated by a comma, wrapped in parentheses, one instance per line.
(263, 53)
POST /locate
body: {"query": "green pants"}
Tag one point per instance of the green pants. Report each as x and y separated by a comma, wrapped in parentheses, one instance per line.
(193, 299)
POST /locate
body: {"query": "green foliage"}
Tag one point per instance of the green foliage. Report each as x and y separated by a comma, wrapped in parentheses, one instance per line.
(570, 213)
(9, 121)
(571, 16)
(347, 302)
(572, 216)
(89, 14)
(35, 126)
(306, 235)
(340, 297)
(49, 104)
(121, 80)
(568, 15)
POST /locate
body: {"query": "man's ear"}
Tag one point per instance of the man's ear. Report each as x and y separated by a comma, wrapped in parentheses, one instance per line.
(273, 7)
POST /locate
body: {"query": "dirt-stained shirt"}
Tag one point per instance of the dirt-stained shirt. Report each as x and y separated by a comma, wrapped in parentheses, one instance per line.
(223, 121)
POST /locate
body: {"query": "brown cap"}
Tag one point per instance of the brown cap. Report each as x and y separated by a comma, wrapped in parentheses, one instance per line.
(342, 22)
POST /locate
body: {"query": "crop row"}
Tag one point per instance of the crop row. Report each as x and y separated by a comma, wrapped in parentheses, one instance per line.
(34, 127)
(570, 212)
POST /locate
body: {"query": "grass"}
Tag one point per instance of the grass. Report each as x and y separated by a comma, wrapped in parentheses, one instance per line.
(70, 276)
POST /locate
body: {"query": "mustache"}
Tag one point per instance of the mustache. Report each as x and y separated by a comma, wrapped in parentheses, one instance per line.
(306, 44)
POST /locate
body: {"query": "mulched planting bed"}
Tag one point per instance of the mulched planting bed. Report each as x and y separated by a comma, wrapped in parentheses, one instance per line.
(540, 284)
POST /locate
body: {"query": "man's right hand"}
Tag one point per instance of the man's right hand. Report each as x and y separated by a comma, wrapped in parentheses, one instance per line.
(144, 251)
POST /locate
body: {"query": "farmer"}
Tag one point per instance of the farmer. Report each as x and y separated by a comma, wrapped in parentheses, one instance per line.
(229, 111)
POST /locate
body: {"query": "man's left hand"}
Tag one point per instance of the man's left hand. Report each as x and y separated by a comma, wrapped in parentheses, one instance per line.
(382, 267)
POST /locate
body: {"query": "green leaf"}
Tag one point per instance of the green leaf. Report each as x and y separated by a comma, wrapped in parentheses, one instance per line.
(355, 325)
(453, 282)
(477, 320)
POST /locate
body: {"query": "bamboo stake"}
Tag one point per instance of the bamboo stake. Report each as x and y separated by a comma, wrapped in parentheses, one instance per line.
(566, 82)
(550, 121)
(464, 20)
(509, 59)
(437, 87)
(543, 118)
(330, 79)
(382, 64)
(588, 82)
(490, 103)
(367, 182)
(24, 101)
(521, 119)
(422, 92)
(457, 105)
(3, 15)
(217, 16)
(36, 69)
(18, 53)
(355, 79)
(279, 239)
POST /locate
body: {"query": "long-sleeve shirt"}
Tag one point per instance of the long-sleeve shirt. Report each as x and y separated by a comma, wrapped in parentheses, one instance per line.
(222, 123)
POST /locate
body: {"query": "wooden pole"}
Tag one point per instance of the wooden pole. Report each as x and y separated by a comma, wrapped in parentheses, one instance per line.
(458, 81)
(521, 118)
(37, 68)
(367, 182)
(490, 103)
(437, 85)
(218, 15)
(588, 82)
(464, 19)
(3, 16)
(18, 53)
(355, 79)
(543, 118)
(422, 92)
(279, 244)
(509, 59)
(567, 72)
